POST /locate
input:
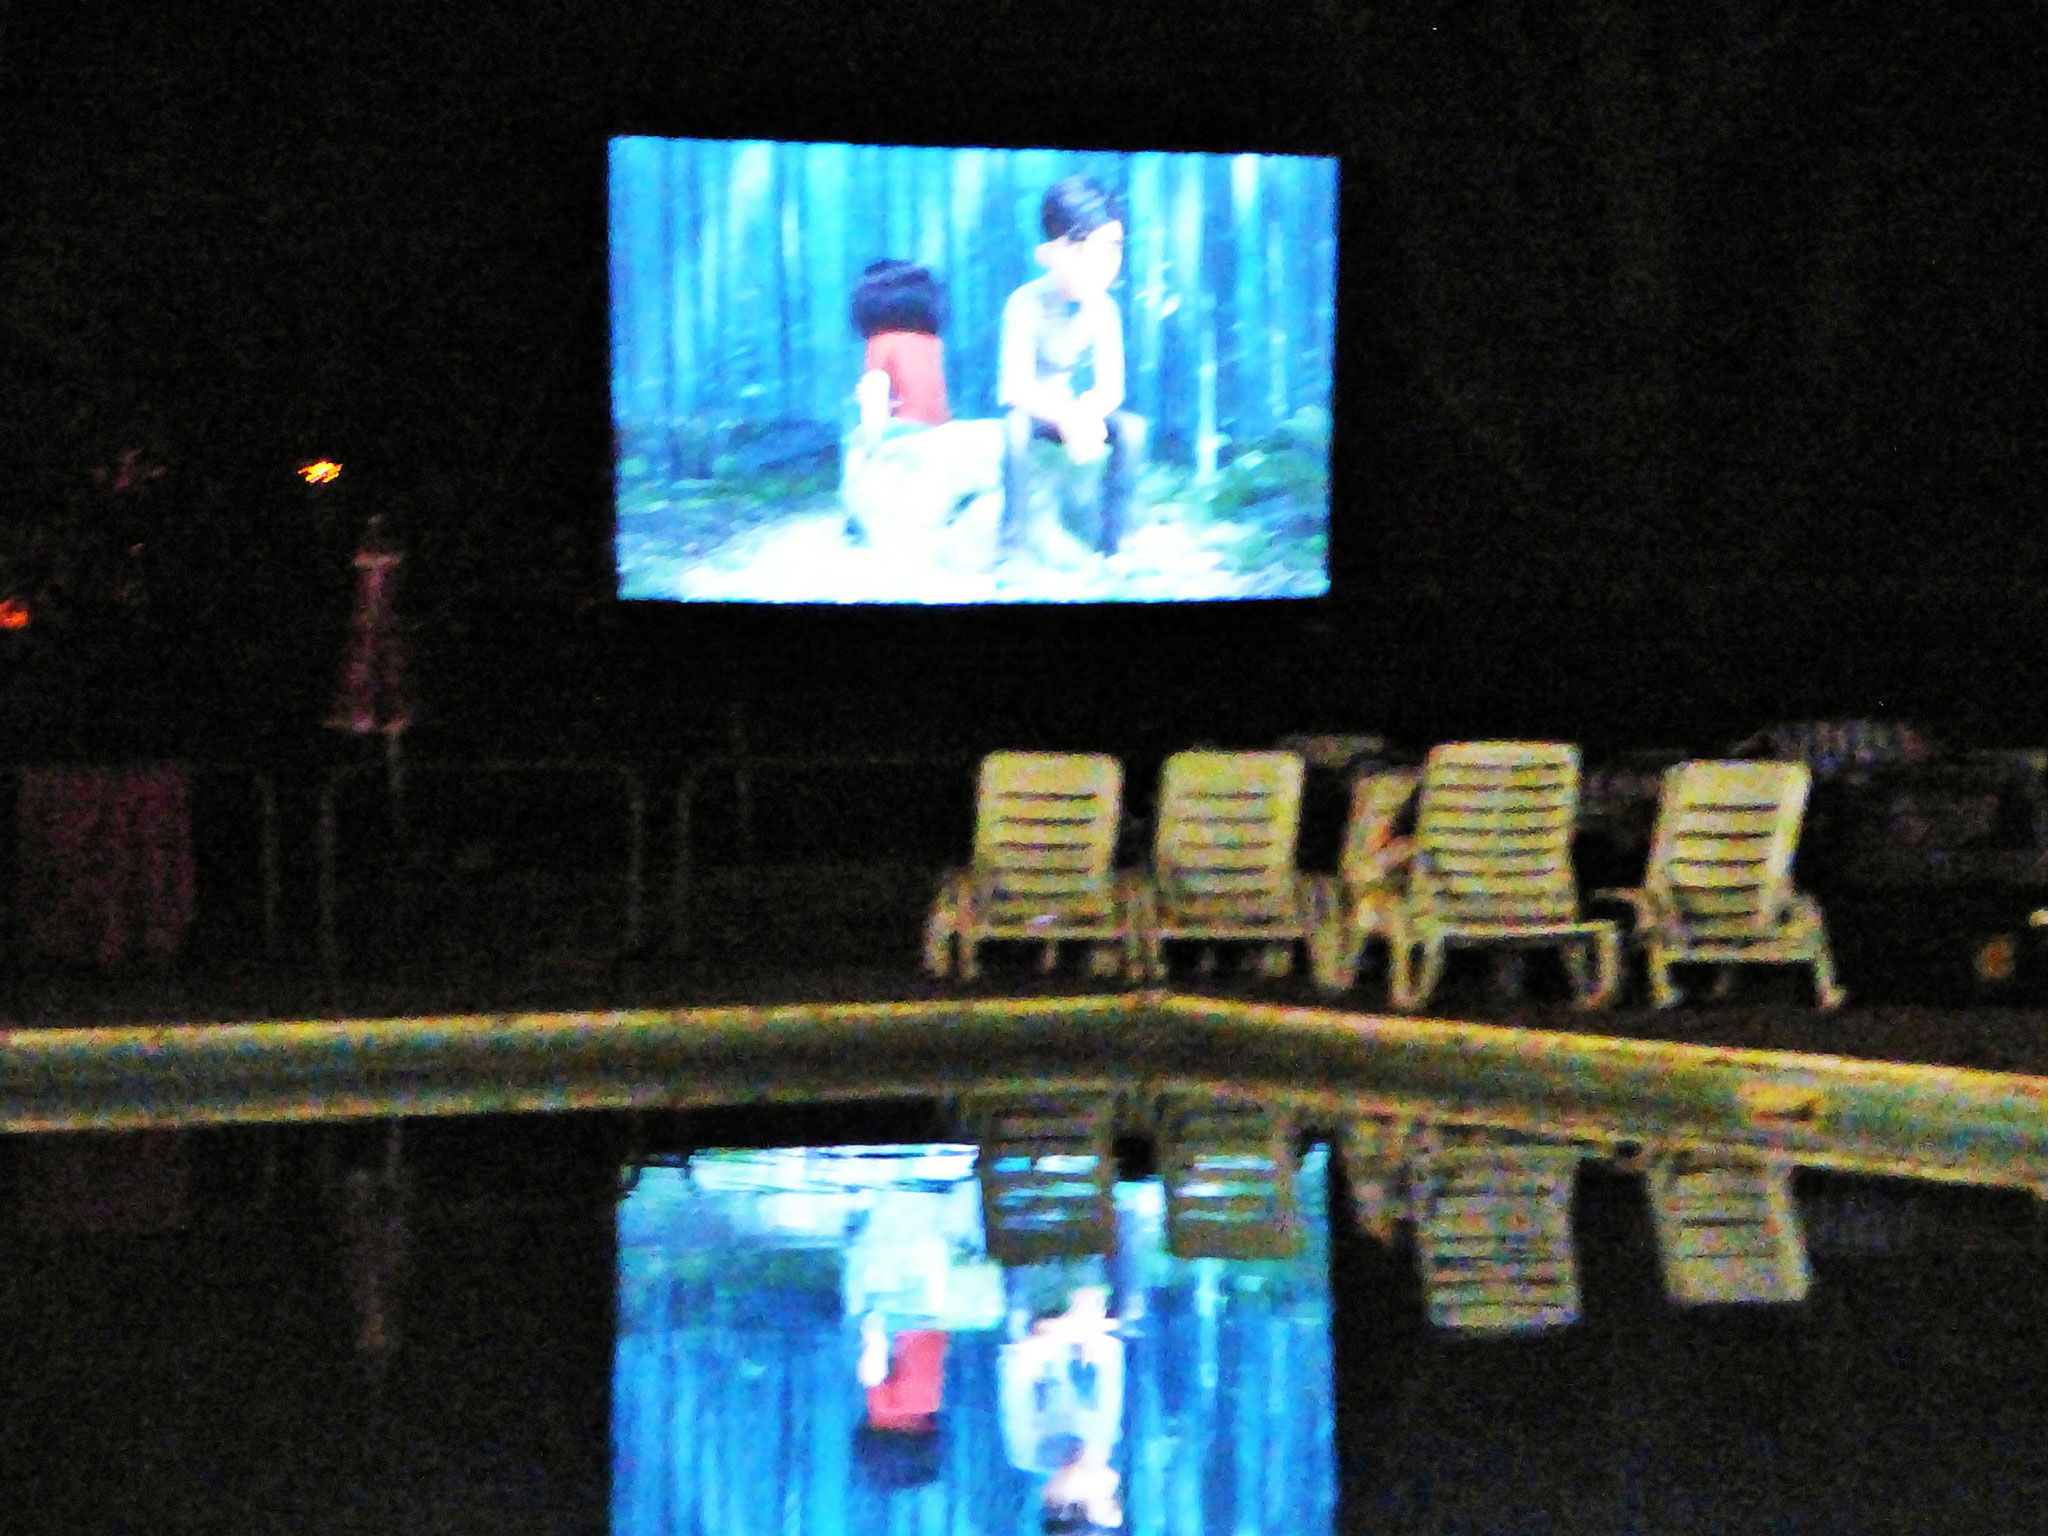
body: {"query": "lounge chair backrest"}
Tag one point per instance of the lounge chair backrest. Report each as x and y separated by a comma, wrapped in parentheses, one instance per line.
(1376, 805)
(1045, 826)
(1226, 827)
(1493, 832)
(1721, 859)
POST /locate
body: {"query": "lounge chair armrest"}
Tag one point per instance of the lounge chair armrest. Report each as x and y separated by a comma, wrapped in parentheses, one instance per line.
(1635, 898)
(1385, 865)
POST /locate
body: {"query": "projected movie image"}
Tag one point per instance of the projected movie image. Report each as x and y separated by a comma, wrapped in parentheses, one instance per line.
(864, 374)
(813, 1341)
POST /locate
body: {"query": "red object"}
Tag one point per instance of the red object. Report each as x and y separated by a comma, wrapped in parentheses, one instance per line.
(909, 1396)
(916, 365)
(106, 862)
(14, 613)
(371, 698)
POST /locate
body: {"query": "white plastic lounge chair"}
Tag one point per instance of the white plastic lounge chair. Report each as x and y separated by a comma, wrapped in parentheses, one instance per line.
(1044, 850)
(1492, 866)
(1223, 855)
(1359, 900)
(1718, 888)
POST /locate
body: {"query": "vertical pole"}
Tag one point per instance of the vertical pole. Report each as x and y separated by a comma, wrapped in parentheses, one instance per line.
(742, 786)
(13, 929)
(394, 786)
(636, 833)
(679, 894)
(266, 791)
(330, 941)
(399, 850)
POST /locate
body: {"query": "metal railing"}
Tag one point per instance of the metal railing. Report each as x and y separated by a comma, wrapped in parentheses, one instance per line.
(629, 779)
(742, 768)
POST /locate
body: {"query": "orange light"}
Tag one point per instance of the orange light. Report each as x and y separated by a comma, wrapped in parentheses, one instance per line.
(320, 472)
(14, 613)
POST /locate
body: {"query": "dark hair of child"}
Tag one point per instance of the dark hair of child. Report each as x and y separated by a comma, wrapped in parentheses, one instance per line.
(897, 295)
(897, 1458)
(1077, 206)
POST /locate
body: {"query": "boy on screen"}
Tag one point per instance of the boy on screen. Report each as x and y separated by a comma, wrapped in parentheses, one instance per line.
(1061, 368)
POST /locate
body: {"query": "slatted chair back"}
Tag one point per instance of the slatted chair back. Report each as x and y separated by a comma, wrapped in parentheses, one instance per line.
(1226, 833)
(1048, 1175)
(1728, 1230)
(1493, 834)
(1721, 858)
(1493, 1235)
(1045, 832)
(1376, 805)
(1229, 1170)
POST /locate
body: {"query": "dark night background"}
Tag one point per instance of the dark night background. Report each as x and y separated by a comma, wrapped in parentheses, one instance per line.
(1691, 367)
(1690, 377)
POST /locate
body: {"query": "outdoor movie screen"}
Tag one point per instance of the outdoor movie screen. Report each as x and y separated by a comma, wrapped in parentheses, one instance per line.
(814, 1341)
(848, 373)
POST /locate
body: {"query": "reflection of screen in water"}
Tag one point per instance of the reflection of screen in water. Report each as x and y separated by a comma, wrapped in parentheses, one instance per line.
(813, 1341)
(746, 469)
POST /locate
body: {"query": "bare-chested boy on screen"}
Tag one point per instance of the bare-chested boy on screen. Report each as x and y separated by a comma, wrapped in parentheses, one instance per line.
(1061, 372)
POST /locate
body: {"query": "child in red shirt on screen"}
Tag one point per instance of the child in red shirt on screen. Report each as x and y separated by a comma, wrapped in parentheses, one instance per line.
(911, 469)
(898, 307)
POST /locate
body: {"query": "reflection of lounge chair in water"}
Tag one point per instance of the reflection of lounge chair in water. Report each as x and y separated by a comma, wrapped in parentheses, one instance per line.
(1063, 1382)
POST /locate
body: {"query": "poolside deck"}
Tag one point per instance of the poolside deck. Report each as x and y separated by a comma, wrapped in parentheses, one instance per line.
(1958, 1096)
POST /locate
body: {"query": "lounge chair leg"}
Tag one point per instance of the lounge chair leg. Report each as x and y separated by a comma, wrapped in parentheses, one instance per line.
(1432, 973)
(1577, 963)
(1602, 958)
(1828, 993)
(1607, 968)
(970, 963)
(951, 917)
(1407, 990)
(1334, 954)
(1352, 957)
(938, 942)
(1401, 974)
(1325, 932)
(1322, 959)
(1662, 993)
(1810, 935)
